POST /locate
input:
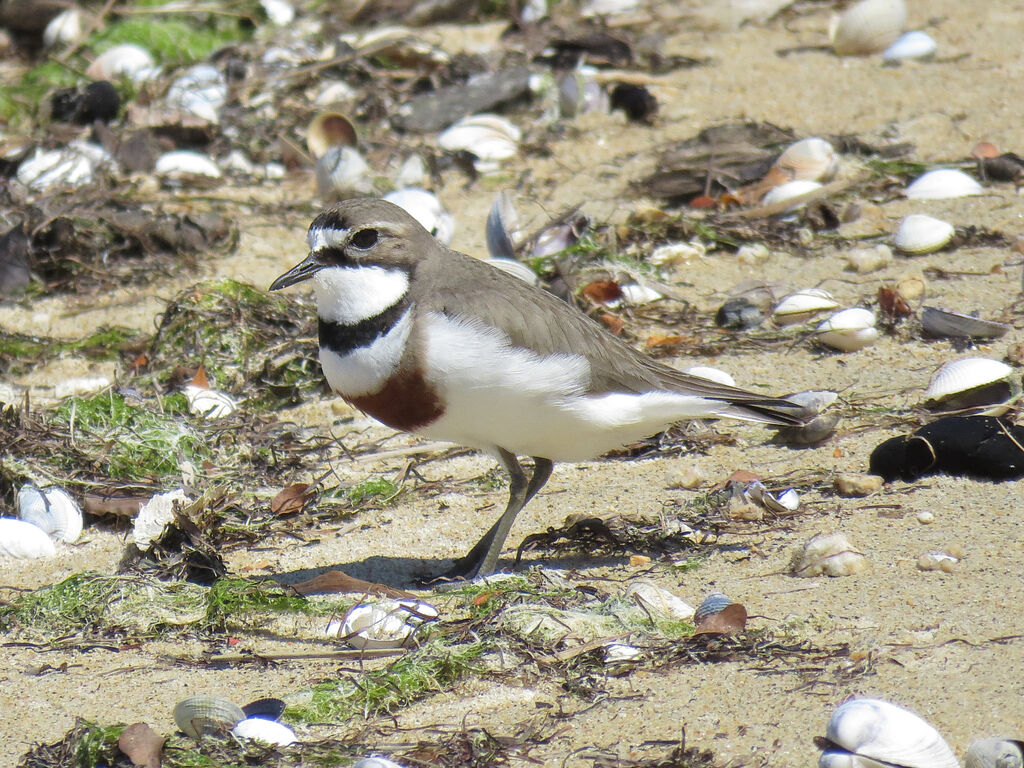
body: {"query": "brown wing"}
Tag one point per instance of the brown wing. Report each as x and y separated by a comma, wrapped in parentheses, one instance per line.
(537, 320)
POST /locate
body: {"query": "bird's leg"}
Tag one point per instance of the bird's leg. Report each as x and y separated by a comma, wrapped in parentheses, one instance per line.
(483, 557)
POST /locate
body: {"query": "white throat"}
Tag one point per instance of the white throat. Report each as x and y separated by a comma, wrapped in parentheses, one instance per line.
(349, 295)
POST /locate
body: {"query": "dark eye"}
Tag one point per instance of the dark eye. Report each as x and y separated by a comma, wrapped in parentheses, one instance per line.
(365, 238)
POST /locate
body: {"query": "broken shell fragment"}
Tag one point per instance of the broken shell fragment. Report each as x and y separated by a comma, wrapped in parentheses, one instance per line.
(329, 129)
(937, 561)
(126, 60)
(155, 515)
(976, 385)
(72, 166)
(266, 731)
(426, 209)
(829, 554)
(943, 323)
(200, 715)
(201, 91)
(209, 403)
(810, 159)
(784, 501)
(489, 138)
(52, 509)
(868, 27)
(942, 184)
(911, 45)
(919, 233)
(387, 624)
(801, 306)
(848, 330)
(994, 753)
(658, 602)
(871, 732)
(24, 541)
(183, 166)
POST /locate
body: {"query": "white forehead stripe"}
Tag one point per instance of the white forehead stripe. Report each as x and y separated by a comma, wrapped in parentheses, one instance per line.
(327, 238)
(364, 371)
(349, 295)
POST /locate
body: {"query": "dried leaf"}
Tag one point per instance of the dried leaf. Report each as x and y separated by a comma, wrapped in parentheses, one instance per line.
(662, 340)
(142, 745)
(732, 618)
(200, 380)
(291, 499)
(602, 291)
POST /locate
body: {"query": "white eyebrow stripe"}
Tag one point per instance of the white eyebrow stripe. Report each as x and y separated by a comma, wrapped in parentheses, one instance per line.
(327, 238)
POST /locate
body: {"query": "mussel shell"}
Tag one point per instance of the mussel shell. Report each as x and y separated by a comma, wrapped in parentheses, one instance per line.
(878, 730)
(994, 753)
(714, 603)
(268, 709)
(200, 715)
(53, 510)
(944, 323)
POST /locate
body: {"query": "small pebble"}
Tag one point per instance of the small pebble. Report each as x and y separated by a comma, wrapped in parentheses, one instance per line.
(753, 254)
(865, 260)
(639, 561)
(937, 561)
(849, 484)
(911, 287)
(924, 517)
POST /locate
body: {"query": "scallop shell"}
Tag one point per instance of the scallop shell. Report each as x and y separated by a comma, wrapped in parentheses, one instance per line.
(868, 27)
(788, 191)
(658, 602)
(267, 731)
(209, 403)
(516, 269)
(126, 60)
(387, 624)
(911, 45)
(714, 603)
(920, 233)
(943, 183)
(848, 330)
(994, 753)
(881, 731)
(53, 510)
(24, 541)
(489, 138)
(426, 209)
(972, 383)
(811, 159)
(200, 715)
(946, 324)
(711, 374)
(329, 129)
(803, 305)
(341, 171)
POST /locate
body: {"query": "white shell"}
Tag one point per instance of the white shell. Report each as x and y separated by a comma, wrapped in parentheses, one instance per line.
(267, 731)
(634, 293)
(942, 184)
(868, 27)
(711, 374)
(959, 376)
(279, 12)
(618, 653)
(811, 159)
(516, 269)
(882, 731)
(64, 28)
(209, 403)
(374, 761)
(994, 753)
(67, 167)
(786, 501)
(789, 190)
(911, 45)
(669, 254)
(51, 509)
(658, 602)
(127, 60)
(200, 91)
(921, 233)
(426, 209)
(343, 170)
(412, 173)
(489, 137)
(155, 515)
(387, 624)
(849, 329)
(24, 541)
(182, 164)
(199, 715)
(802, 305)
(79, 385)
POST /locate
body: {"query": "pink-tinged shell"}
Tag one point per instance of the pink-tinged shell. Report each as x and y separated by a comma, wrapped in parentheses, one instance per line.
(812, 159)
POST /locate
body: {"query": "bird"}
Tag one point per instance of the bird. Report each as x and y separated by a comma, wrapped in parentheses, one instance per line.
(434, 342)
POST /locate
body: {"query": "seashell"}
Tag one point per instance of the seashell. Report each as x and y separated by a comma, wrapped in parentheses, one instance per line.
(937, 561)
(200, 715)
(79, 385)
(786, 501)
(848, 330)
(209, 403)
(868, 27)
(711, 374)
(811, 159)
(788, 191)
(280, 13)
(816, 429)
(634, 293)
(502, 223)
(64, 28)
(268, 709)
(72, 166)
(994, 753)
(516, 269)
(739, 312)
(621, 653)
(267, 731)
(580, 94)
(828, 554)
(387, 624)
(183, 165)
(376, 761)
(946, 324)
(554, 240)
(427, 210)
(24, 541)
(714, 603)
(489, 138)
(975, 384)
(52, 509)
(911, 45)
(155, 515)
(920, 233)
(329, 129)
(677, 253)
(200, 91)
(884, 732)
(801, 306)
(126, 60)
(341, 171)
(658, 602)
(942, 184)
